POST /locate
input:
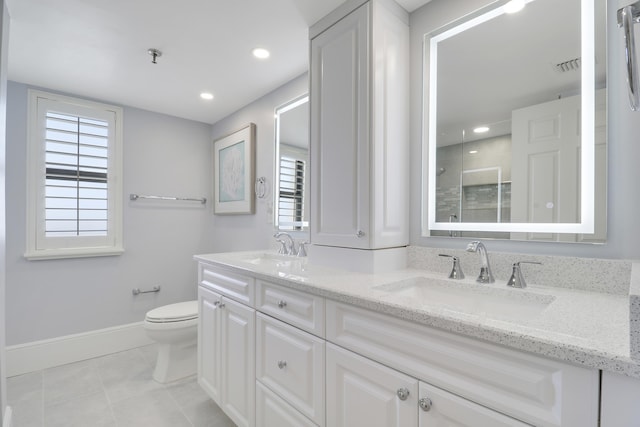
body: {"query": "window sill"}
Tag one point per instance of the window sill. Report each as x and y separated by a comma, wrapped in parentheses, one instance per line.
(72, 253)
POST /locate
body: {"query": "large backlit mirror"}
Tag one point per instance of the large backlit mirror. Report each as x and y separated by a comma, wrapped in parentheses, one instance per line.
(516, 123)
(292, 165)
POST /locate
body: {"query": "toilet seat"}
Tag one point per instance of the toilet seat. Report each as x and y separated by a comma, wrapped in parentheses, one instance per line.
(179, 312)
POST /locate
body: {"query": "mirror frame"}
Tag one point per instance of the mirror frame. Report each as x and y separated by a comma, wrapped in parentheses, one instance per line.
(429, 146)
(287, 106)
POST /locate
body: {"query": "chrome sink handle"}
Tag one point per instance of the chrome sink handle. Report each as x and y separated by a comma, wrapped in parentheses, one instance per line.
(517, 278)
(456, 269)
(485, 270)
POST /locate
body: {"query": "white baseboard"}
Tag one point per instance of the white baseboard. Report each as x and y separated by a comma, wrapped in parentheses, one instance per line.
(37, 355)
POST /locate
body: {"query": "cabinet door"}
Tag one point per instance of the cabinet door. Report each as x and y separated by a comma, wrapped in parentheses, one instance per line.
(361, 392)
(442, 409)
(340, 133)
(237, 355)
(209, 342)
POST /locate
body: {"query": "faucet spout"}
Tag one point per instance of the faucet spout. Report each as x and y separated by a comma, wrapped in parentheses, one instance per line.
(290, 246)
(485, 270)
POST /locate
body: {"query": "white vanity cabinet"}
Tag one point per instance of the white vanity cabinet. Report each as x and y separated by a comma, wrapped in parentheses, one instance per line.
(226, 348)
(367, 393)
(274, 356)
(525, 387)
(359, 126)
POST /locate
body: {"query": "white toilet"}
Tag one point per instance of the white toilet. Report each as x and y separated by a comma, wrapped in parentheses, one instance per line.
(175, 328)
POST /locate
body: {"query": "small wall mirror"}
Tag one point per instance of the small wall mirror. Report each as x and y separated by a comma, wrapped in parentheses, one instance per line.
(516, 136)
(291, 211)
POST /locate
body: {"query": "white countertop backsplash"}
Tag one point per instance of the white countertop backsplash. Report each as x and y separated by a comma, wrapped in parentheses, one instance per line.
(587, 323)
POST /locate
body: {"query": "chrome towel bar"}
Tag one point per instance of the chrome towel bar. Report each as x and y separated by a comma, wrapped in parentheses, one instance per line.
(202, 200)
(137, 291)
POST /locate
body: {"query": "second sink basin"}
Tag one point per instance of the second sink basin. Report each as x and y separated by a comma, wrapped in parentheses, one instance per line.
(472, 299)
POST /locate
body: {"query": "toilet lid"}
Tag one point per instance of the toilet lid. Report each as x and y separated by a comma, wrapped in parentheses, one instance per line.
(174, 312)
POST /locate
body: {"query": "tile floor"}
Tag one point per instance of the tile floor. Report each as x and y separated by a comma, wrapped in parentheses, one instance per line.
(115, 391)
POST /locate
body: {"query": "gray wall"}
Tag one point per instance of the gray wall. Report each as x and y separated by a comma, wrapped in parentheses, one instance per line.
(624, 151)
(248, 232)
(162, 155)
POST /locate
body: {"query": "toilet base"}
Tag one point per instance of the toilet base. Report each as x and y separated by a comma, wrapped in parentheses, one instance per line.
(175, 362)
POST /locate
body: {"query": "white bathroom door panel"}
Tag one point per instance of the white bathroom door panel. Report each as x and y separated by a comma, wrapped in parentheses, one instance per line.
(209, 343)
(238, 362)
(546, 165)
(449, 410)
(361, 392)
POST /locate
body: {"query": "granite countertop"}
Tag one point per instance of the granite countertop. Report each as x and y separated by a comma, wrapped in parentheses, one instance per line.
(577, 326)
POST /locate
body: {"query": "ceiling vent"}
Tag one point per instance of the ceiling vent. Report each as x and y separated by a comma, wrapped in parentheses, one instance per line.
(570, 65)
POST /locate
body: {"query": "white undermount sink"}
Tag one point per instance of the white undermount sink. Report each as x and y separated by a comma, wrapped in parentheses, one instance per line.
(470, 298)
(267, 258)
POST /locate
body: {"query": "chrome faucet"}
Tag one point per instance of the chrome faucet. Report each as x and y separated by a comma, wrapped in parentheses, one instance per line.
(286, 247)
(485, 270)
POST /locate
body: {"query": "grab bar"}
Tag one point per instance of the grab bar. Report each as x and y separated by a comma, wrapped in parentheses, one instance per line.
(627, 16)
(137, 291)
(188, 199)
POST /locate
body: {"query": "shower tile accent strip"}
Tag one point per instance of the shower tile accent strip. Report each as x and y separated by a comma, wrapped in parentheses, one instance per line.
(587, 274)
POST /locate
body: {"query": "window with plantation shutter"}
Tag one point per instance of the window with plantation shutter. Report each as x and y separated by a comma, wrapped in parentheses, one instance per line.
(75, 194)
(291, 193)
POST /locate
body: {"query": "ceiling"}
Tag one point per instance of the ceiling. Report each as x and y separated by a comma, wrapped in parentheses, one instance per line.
(98, 49)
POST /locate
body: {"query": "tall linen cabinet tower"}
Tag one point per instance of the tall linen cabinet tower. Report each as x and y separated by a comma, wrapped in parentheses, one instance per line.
(359, 77)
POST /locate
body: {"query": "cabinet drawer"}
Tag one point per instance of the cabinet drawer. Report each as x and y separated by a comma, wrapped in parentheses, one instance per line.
(291, 363)
(272, 411)
(533, 389)
(297, 308)
(235, 286)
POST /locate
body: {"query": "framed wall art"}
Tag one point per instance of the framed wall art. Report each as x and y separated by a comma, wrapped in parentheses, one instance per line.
(233, 170)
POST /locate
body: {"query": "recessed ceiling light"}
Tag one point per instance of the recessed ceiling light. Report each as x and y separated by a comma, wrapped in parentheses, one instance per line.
(260, 53)
(206, 95)
(473, 152)
(514, 6)
(481, 129)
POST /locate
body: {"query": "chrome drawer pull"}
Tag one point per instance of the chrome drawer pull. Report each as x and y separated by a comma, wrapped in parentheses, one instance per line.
(403, 393)
(282, 364)
(282, 303)
(425, 404)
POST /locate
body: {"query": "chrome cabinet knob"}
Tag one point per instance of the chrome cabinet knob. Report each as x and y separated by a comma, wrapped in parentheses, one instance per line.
(425, 404)
(360, 233)
(282, 364)
(220, 304)
(282, 303)
(402, 393)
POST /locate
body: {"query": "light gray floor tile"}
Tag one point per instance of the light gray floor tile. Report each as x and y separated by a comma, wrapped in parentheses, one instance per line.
(126, 375)
(113, 390)
(70, 381)
(154, 408)
(88, 410)
(24, 387)
(27, 413)
(187, 392)
(207, 414)
(150, 353)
